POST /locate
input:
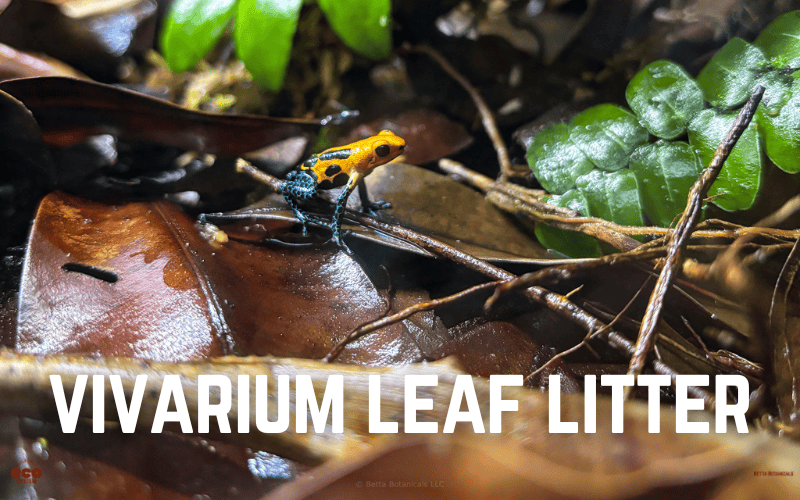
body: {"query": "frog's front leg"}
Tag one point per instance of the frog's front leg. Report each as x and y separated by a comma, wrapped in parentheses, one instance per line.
(370, 207)
(341, 203)
(299, 186)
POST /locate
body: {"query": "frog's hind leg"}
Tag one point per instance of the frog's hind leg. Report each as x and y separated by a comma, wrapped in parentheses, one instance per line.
(299, 186)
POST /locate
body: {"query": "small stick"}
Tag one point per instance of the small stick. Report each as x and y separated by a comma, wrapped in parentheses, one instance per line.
(682, 232)
(487, 118)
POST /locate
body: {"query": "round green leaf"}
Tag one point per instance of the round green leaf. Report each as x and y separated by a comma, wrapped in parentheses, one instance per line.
(363, 25)
(607, 134)
(555, 160)
(666, 172)
(665, 98)
(728, 78)
(613, 196)
(263, 33)
(191, 29)
(780, 41)
(741, 175)
(779, 121)
(573, 244)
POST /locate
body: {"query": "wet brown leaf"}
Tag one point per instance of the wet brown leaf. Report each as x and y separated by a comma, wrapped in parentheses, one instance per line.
(95, 37)
(17, 64)
(69, 110)
(139, 280)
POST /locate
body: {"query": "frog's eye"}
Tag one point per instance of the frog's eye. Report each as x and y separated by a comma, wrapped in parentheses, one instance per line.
(383, 150)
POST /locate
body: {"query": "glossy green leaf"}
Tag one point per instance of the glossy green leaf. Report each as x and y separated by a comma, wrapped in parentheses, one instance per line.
(779, 122)
(363, 25)
(740, 179)
(666, 172)
(613, 196)
(665, 98)
(780, 41)
(191, 29)
(728, 78)
(263, 33)
(555, 160)
(607, 134)
(573, 244)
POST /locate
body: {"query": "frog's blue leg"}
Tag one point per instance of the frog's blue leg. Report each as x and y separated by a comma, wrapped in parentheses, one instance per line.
(299, 186)
(367, 206)
(341, 203)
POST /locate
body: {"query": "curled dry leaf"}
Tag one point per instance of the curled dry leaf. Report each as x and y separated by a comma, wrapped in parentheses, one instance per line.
(785, 336)
(69, 110)
(139, 280)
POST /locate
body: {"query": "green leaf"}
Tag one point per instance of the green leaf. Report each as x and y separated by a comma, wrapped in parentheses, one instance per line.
(779, 121)
(666, 172)
(741, 175)
(780, 41)
(573, 244)
(728, 78)
(613, 196)
(665, 98)
(191, 29)
(363, 25)
(555, 160)
(607, 134)
(263, 33)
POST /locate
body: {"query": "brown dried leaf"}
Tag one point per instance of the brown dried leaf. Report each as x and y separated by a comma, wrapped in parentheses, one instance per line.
(69, 110)
(177, 296)
(785, 331)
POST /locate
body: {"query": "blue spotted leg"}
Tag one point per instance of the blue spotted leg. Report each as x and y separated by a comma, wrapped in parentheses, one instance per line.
(299, 185)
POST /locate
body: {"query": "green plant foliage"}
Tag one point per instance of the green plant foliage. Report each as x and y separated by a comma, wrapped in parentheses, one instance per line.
(740, 179)
(363, 25)
(779, 122)
(656, 177)
(780, 41)
(613, 196)
(665, 98)
(569, 243)
(264, 31)
(263, 36)
(191, 29)
(556, 161)
(666, 172)
(728, 79)
(607, 134)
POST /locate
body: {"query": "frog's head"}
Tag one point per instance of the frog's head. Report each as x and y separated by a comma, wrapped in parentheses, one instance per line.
(386, 147)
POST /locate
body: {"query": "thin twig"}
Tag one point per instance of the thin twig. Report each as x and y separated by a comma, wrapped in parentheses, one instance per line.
(588, 336)
(401, 315)
(680, 238)
(487, 117)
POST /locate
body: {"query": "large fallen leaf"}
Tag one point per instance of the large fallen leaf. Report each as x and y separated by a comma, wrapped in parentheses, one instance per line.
(69, 110)
(139, 280)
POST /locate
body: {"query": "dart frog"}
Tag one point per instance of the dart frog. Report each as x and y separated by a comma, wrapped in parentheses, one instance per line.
(341, 166)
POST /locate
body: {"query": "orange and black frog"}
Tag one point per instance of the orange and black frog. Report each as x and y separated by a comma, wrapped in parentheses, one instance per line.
(341, 166)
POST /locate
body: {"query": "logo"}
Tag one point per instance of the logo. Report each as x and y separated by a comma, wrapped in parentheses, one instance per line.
(26, 475)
